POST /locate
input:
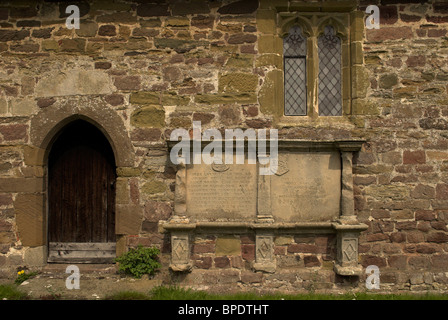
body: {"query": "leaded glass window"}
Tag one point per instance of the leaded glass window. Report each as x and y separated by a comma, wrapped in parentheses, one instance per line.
(294, 55)
(330, 95)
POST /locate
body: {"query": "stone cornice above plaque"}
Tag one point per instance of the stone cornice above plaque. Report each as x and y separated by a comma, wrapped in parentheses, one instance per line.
(351, 145)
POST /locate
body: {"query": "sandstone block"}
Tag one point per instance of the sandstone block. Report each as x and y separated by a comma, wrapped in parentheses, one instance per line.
(23, 107)
(3, 106)
(391, 33)
(127, 83)
(227, 245)
(87, 29)
(73, 45)
(145, 98)
(222, 262)
(128, 219)
(226, 98)
(36, 256)
(10, 35)
(11, 132)
(177, 22)
(179, 45)
(74, 82)
(152, 10)
(387, 191)
(117, 17)
(271, 93)
(153, 187)
(230, 114)
(311, 261)
(107, 30)
(202, 22)
(423, 192)
(30, 219)
(239, 7)
(414, 157)
(241, 38)
(149, 116)
(182, 8)
(387, 81)
(237, 82)
(283, 240)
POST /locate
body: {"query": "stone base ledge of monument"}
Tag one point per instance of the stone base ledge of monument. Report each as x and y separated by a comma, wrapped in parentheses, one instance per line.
(348, 270)
(330, 226)
(181, 267)
(347, 231)
(312, 226)
(268, 267)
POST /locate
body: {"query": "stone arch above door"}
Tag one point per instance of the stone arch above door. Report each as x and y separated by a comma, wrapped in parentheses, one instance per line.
(46, 124)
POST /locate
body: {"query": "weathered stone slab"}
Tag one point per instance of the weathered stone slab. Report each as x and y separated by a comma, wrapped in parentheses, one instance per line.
(128, 219)
(74, 82)
(28, 185)
(228, 246)
(226, 192)
(307, 187)
(30, 219)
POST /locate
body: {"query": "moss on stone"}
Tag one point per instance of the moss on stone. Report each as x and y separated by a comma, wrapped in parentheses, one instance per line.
(148, 117)
(153, 186)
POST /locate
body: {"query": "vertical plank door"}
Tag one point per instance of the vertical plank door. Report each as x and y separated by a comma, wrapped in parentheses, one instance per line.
(81, 196)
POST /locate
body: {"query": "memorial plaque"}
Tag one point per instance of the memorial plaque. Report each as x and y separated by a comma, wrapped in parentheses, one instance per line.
(306, 187)
(311, 186)
(221, 191)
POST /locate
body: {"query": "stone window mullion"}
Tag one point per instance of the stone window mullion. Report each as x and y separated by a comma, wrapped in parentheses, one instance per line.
(312, 77)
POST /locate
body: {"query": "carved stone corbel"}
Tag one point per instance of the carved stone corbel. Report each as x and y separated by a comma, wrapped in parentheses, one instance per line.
(264, 252)
(347, 249)
(180, 251)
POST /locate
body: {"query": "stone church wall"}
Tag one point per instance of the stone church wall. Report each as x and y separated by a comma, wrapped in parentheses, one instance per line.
(138, 70)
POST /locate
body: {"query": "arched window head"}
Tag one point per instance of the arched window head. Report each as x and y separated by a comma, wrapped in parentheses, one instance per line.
(330, 76)
(294, 55)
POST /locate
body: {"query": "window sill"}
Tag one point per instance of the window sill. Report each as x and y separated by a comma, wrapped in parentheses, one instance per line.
(320, 121)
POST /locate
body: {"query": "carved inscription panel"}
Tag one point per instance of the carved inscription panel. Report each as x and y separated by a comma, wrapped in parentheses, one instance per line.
(306, 187)
(222, 192)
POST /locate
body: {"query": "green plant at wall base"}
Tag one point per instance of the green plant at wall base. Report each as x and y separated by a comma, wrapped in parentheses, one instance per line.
(139, 261)
(22, 276)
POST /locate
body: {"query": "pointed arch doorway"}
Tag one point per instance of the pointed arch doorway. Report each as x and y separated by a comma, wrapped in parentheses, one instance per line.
(81, 196)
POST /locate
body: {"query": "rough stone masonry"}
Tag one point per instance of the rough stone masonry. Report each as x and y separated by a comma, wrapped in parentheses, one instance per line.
(139, 69)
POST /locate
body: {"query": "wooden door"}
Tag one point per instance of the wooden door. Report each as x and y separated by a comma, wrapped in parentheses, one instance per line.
(81, 193)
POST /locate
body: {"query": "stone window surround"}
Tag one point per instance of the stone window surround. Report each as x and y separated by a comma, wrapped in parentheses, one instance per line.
(312, 34)
(347, 227)
(312, 18)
